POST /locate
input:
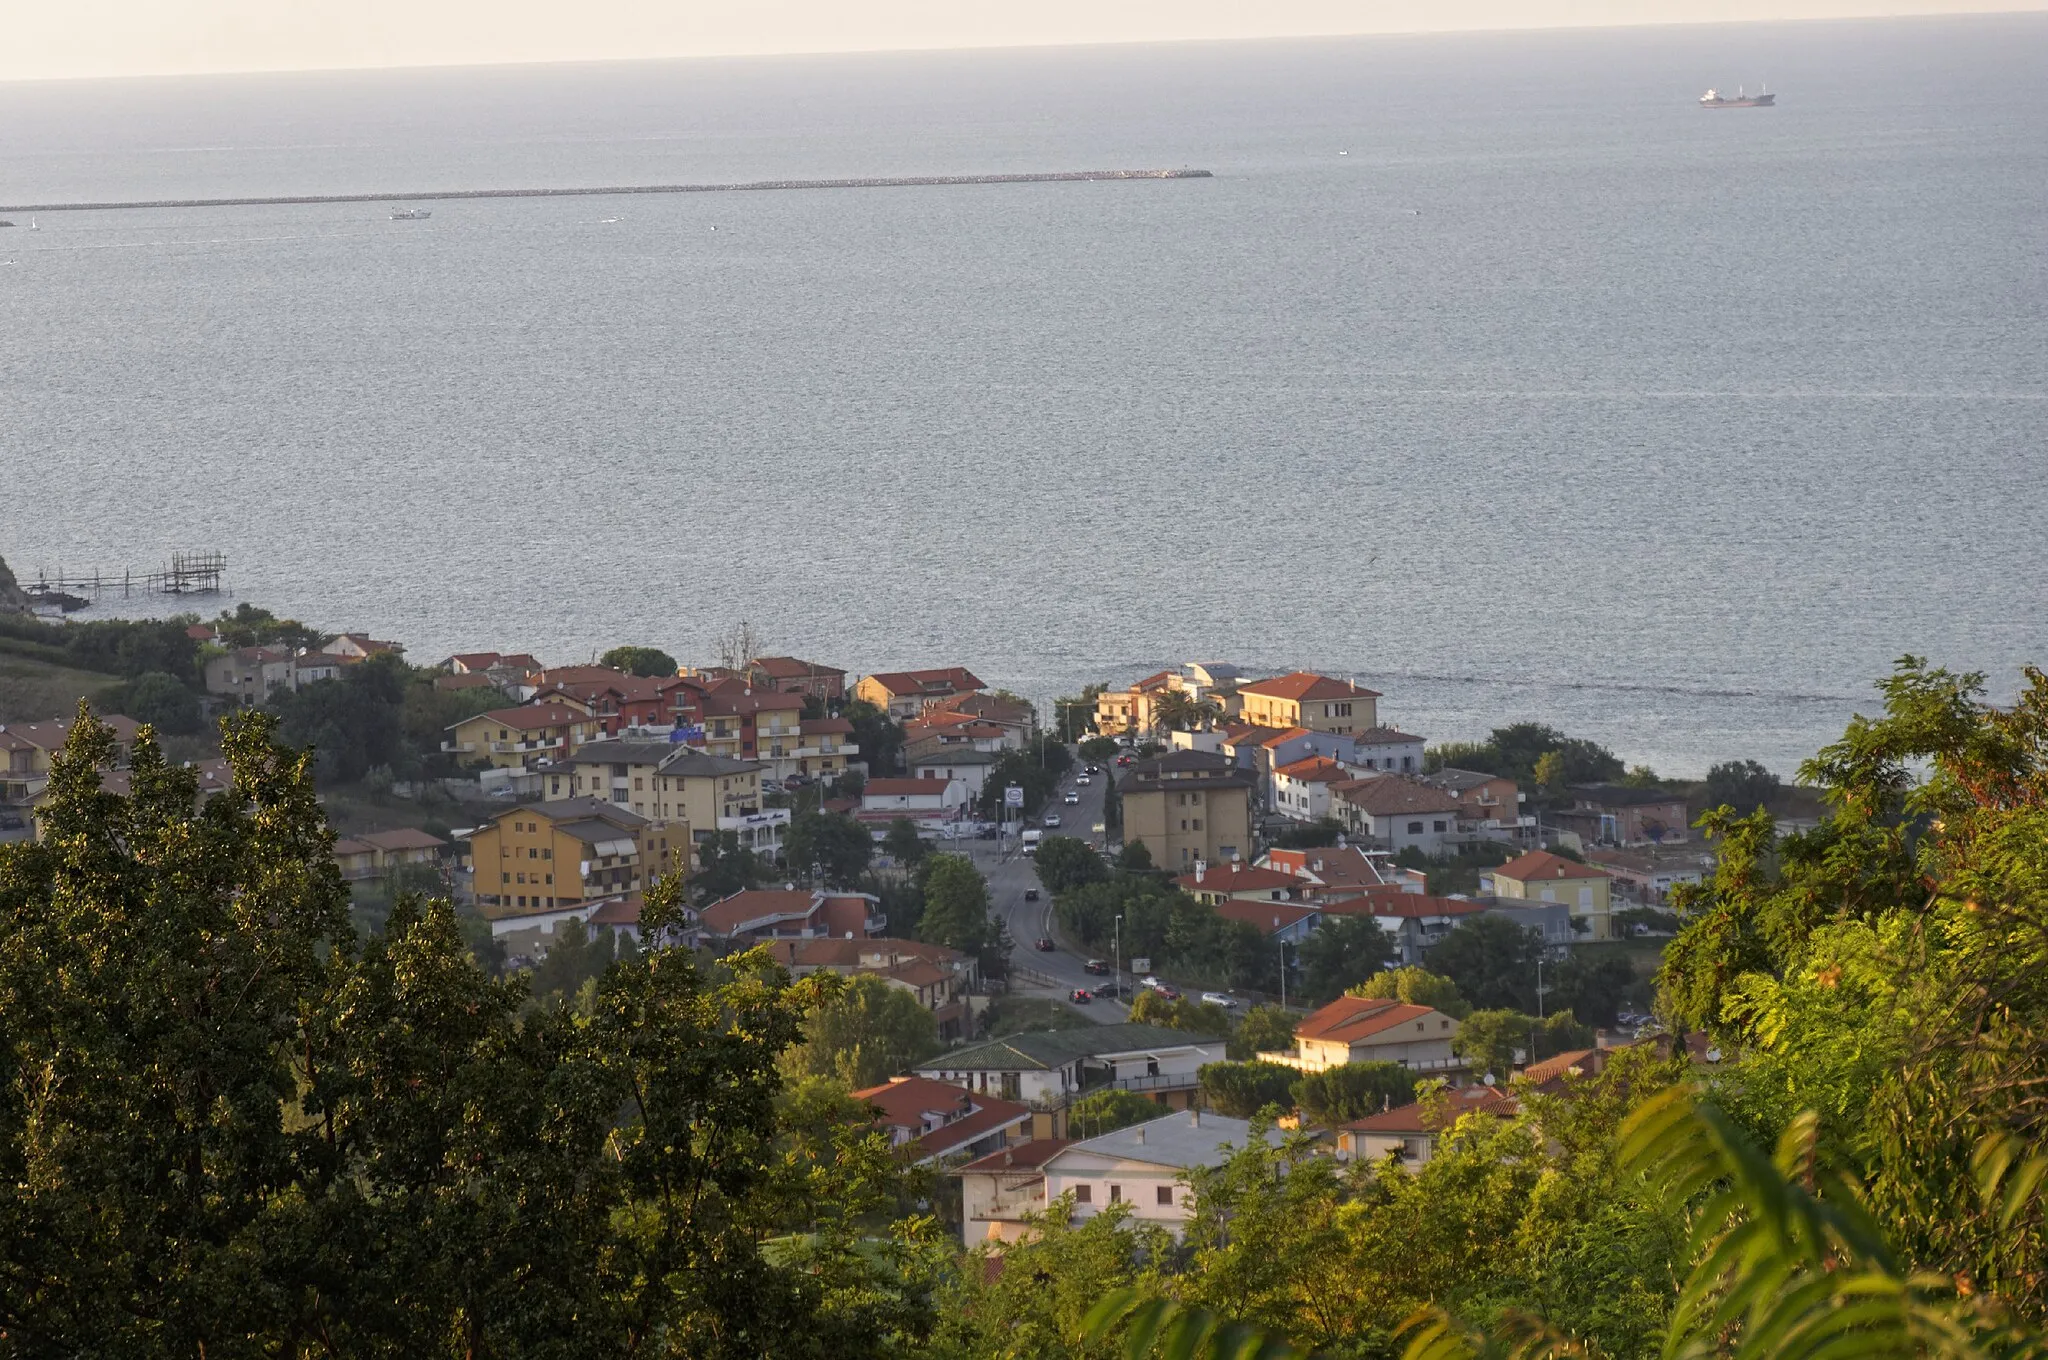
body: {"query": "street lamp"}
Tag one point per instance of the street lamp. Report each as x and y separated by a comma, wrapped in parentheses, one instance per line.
(1117, 956)
(1283, 974)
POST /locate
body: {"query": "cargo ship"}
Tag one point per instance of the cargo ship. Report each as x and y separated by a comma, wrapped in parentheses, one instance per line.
(1714, 99)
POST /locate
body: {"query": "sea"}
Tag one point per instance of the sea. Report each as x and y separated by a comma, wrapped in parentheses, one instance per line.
(1488, 370)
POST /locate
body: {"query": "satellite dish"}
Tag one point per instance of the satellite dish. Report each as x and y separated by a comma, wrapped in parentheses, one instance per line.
(1488, 1078)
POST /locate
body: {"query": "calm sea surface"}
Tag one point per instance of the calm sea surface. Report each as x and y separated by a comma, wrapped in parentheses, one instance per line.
(1487, 369)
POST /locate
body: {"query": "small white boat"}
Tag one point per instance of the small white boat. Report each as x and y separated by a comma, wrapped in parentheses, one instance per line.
(32, 223)
(411, 214)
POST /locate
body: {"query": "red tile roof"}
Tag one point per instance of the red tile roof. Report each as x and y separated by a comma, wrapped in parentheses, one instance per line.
(402, 838)
(532, 717)
(1237, 878)
(1393, 795)
(789, 668)
(1415, 1118)
(942, 680)
(902, 1102)
(1307, 685)
(1587, 1060)
(1351, 1018)
(1389, 903)
(1540, 865)
(729, 914)
(812, 727)
(1018, 1157)
(723, 702)
(1270, 917)
(1281, 736)
(618, 911)
(1315, 770)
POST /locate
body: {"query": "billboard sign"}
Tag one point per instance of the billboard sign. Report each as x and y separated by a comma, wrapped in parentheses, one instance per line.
(1013, 796)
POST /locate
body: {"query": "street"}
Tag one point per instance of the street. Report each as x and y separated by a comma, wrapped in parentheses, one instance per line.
(1011, 874)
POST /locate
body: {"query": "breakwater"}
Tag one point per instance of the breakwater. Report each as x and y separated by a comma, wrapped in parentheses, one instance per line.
(445, 195)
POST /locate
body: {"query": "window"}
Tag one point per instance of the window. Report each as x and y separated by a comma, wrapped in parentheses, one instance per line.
(522, 876)
(636, 783)
(532, 853)
(620, 795)
(1415, 828)
(1165, 1195)
(1198, 823)
(551, 880)
(1437, 825)
(1443, 1024)
(1116, 1194)
(504, 878)
(1083, 1193)
(548, 853)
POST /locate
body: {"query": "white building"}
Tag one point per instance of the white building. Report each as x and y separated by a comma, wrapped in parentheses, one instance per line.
(967, 766)
(1301, 791)
(1382, 749)
(1356, 1029)
(1146, 1166)
(921, 800)
(1050, 1070)
(1394, 812)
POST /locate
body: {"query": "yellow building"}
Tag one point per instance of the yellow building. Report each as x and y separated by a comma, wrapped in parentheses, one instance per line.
(666, 782)
(558, 854)
(1188, 806)
(1307, 700)
(1540, 876)
(514, 738)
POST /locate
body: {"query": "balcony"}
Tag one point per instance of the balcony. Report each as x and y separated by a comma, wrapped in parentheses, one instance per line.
(458, 747)
(1164, 1081)
(510, 748)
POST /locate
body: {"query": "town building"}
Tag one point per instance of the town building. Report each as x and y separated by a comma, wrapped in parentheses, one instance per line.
(1646, 877)
(1541, 876)
(1303, 699)
(27, 750)
(921, 800)
(1414, 921)
(670, 782)
(940, 979)
(1050, 1070)
(760, 914)
(1354, 1029)
(564, 853)
(1614, 814)
(1301, 790)
(932, 1121)
(1489, 805)
(310, 668)
(1211, 884)
(969, 767)
(1409, 1133)
(1287, 922)
(248, 676)
(522, 737)
(1147, 1166)
(905, 694)
(791, 676)
(999, 1191)
(354, 647)
(1187, 806)
(368, 854)
(1385, 749)
(1339, 870)
(1394, 812)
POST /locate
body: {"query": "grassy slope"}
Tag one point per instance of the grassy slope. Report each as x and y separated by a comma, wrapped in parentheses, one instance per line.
(32, 689)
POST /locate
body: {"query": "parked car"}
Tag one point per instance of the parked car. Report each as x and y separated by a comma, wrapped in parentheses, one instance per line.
(1031, 894)
(1150, 982)
(1219, 999)
(1080, 996)
(1096, 966)
(1045, 946)
(1167, 992)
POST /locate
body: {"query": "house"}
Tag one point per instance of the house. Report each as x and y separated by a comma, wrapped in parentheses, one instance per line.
(1146, 1166)
(522, 737)
(1383, 749)
(1646, 877)
(933, 1121)
(945, 733)
(1338, 870)
(354, 647)
(1288, 922)
(1355, 1029)
(465, 680)
(1394, 812)
(563, 853)
(1489, 806)
(1614, 814)
(905, 694)
(744, 723)
(1187, 806)
(248, 676)
(1210, 884)
(672, 783)
(378, 852)
(939, 978)
(1304, 699)
(1416, 921)
(1050, 1070)
(791, 676)
(310, 668)
(1136, 709)
(759, 914)
(1541, 876)
(1409, 1133)
(998, 1191)
(965, 765)
(825, 746)
(27, 749)
(620, 702)
(1263, 750)
(1017, 718)
(921, 800)
(531, 931)
(1301, 790)
(1550, 920)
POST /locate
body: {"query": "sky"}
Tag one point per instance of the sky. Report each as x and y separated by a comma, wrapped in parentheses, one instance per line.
(88, 38)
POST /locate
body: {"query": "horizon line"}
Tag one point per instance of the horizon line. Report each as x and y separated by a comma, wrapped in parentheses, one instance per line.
(2037, 10)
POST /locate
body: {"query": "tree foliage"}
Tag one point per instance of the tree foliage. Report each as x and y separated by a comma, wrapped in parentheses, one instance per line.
(862, 1032)
(159, 699)
(1741, 785)
(1264, 1029)
(1340, 953)
(1492, 961)
(1416, 987)
(1242, 1089)
(645, 661)
(837, 844)
(1067, 862)
(351, 723)
(1338, 1095)
(955, 904)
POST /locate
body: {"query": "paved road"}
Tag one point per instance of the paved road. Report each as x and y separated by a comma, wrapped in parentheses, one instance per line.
(1010, 873)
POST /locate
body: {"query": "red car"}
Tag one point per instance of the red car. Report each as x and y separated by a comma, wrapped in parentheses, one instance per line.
(1044, 946)
(1081, 996)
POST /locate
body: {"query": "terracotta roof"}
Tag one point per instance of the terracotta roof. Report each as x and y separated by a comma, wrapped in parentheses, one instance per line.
(1315, 770)
(528, 717)
(844, 915)
(1281, 736)
(1307, 685)
(402, 838)
(902, 1102)
(1383, 736)
(50, 735)
(1587, 1060)
(993, 1116)
(1018, 1157)
(942, 680)
(1351, 1018)
(1418, 904)
(351, 847)
(992, 707)
(1540, 865)
(812, 727)
(574, 675)
(1236, 878)
(916, 973)
(473, 661)
(618, 911)
(900, 788)
(756, 905)
(1270, 917)
(1393, 795)
(724, 702)
(1415, 1119)
(789, 668)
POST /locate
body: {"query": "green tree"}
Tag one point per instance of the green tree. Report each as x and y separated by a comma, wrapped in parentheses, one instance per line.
(426, 713)
(862, 1033)
(1135, 858)
(1065, 863)
(1342, 952)
(1495, 1040)
(1097, 749)
(1074, 718)
(1107, 1111)
(1742, 785)
(1493, 962)
(725, 867)
(1264, 1029)
(1242, 1089)
(646, 661)
(160, 700)
(1324, 831)
(1592, 988)
(879, 737)
(574, 957)
(248, 625)
(1417, 987)
(840, 846)
(903, 844)
(955, 904)
(1338, 1095)
(1151, 1008)
(1177, 710)
(351, 723)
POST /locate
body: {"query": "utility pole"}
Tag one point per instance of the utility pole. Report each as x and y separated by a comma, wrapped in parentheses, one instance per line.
(1283, 975)
(1117, 955)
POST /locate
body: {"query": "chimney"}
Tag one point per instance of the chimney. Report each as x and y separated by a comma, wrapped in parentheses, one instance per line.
(1194, 1117)
(1140, 1133)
